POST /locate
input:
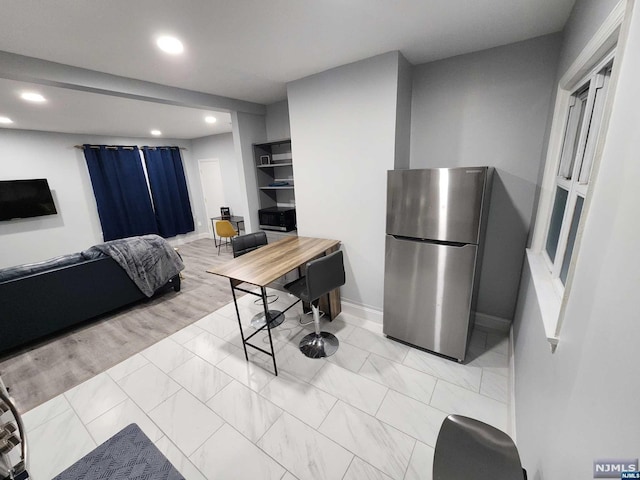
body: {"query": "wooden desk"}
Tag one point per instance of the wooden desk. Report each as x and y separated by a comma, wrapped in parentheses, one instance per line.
(267, 264)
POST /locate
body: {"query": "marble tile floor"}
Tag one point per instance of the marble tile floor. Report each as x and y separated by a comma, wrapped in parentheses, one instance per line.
(373, 411)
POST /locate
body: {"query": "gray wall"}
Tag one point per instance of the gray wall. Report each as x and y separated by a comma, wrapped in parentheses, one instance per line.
(403, 114)
(581, 403)
(343, 127)
(221, 147)
(235, 152)
(490, 108)
(585, 17)
(278, 121)
(32, 154)
(247, 130)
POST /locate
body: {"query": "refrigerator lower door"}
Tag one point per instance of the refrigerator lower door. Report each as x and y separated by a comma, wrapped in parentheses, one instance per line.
(427, 294)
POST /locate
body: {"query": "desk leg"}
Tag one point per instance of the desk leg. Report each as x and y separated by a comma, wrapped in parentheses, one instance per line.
(333, 300)
(235, 302)
(333, 297)
(267, 317)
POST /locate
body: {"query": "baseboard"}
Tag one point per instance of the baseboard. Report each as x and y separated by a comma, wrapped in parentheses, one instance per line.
(371, 318)
(492, 323)
(361, 316)
(189, 237)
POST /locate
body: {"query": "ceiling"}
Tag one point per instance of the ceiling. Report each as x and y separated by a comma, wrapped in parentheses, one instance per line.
(250, 49)
(72, 111)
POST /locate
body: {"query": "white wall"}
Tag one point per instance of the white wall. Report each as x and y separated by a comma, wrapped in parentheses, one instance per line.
(221, 147)
(581, 403)
(490, 108)
(31, 154)
(343, 140)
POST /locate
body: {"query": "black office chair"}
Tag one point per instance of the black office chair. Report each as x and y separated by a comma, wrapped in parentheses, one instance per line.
(248, 243)
(323, 275)
(467, 448)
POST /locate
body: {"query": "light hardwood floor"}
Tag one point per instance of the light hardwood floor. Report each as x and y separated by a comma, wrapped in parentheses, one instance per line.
(41, 371)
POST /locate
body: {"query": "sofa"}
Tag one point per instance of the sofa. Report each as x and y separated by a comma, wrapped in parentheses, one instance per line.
(37, 300)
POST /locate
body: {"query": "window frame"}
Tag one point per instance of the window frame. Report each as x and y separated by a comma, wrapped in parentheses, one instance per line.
(581, 154)
(610, 38)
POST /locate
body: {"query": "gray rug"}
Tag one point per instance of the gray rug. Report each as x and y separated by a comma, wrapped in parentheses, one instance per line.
(128, 455)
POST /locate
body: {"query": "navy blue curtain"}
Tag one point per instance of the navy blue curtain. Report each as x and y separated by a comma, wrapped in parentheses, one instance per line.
(121, 192)
(168, 190)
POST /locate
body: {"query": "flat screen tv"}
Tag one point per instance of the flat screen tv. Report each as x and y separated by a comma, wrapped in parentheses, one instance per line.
(25, 198)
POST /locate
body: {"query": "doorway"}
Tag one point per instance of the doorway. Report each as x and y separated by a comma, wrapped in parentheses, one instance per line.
(212, 188)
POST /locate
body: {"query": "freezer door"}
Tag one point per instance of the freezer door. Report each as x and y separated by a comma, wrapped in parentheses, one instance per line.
(427, 294)
(437, 204)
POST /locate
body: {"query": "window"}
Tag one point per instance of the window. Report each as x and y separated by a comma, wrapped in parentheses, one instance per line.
(576, 141)
(577, 134)
(581, 133)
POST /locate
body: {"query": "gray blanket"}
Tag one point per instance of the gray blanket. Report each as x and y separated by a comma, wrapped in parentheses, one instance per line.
(148, 260)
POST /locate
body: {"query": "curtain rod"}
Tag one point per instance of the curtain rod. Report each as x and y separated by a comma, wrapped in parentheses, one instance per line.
(115, 147)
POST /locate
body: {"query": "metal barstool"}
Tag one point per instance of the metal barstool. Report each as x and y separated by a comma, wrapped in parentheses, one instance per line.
(245, 244)
(323, 275)
(467, 448)
(12, 435)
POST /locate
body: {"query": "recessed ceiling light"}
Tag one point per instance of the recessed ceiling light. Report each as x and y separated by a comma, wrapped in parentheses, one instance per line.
(210, 119)
(170, 45)
(5, 120)
(32, 97)
(156, 132)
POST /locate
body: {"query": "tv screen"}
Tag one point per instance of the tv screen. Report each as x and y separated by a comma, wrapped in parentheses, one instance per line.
(25, 198)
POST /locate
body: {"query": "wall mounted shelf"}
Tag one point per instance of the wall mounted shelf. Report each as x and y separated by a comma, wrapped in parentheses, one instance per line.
(274, 163)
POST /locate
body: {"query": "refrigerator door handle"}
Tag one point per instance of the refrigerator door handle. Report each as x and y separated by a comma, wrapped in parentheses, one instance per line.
(434, 242)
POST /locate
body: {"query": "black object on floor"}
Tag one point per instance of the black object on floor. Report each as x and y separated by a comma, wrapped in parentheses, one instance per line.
(468, 448)
(129, 454)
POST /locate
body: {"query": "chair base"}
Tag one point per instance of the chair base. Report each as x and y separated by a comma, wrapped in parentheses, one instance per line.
(320, 345)
(258, 319)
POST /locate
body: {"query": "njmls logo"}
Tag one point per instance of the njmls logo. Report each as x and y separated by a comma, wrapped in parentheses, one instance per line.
(629, 475)
(613, 468)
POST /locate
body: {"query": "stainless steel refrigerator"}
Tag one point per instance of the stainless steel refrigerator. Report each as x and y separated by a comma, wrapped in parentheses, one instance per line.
(435, 234)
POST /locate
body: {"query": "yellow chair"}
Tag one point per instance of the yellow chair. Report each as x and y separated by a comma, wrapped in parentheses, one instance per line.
(224, 229)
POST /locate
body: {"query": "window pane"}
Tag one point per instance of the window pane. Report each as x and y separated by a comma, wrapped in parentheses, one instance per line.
(556, 222)
(594, 125)
(572, 240)
(572, 137)
(568, 141)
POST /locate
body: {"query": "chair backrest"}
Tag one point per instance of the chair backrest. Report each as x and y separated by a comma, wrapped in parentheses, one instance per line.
(325, 274)
(247, 243)
(467, 448)
(225, 229)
